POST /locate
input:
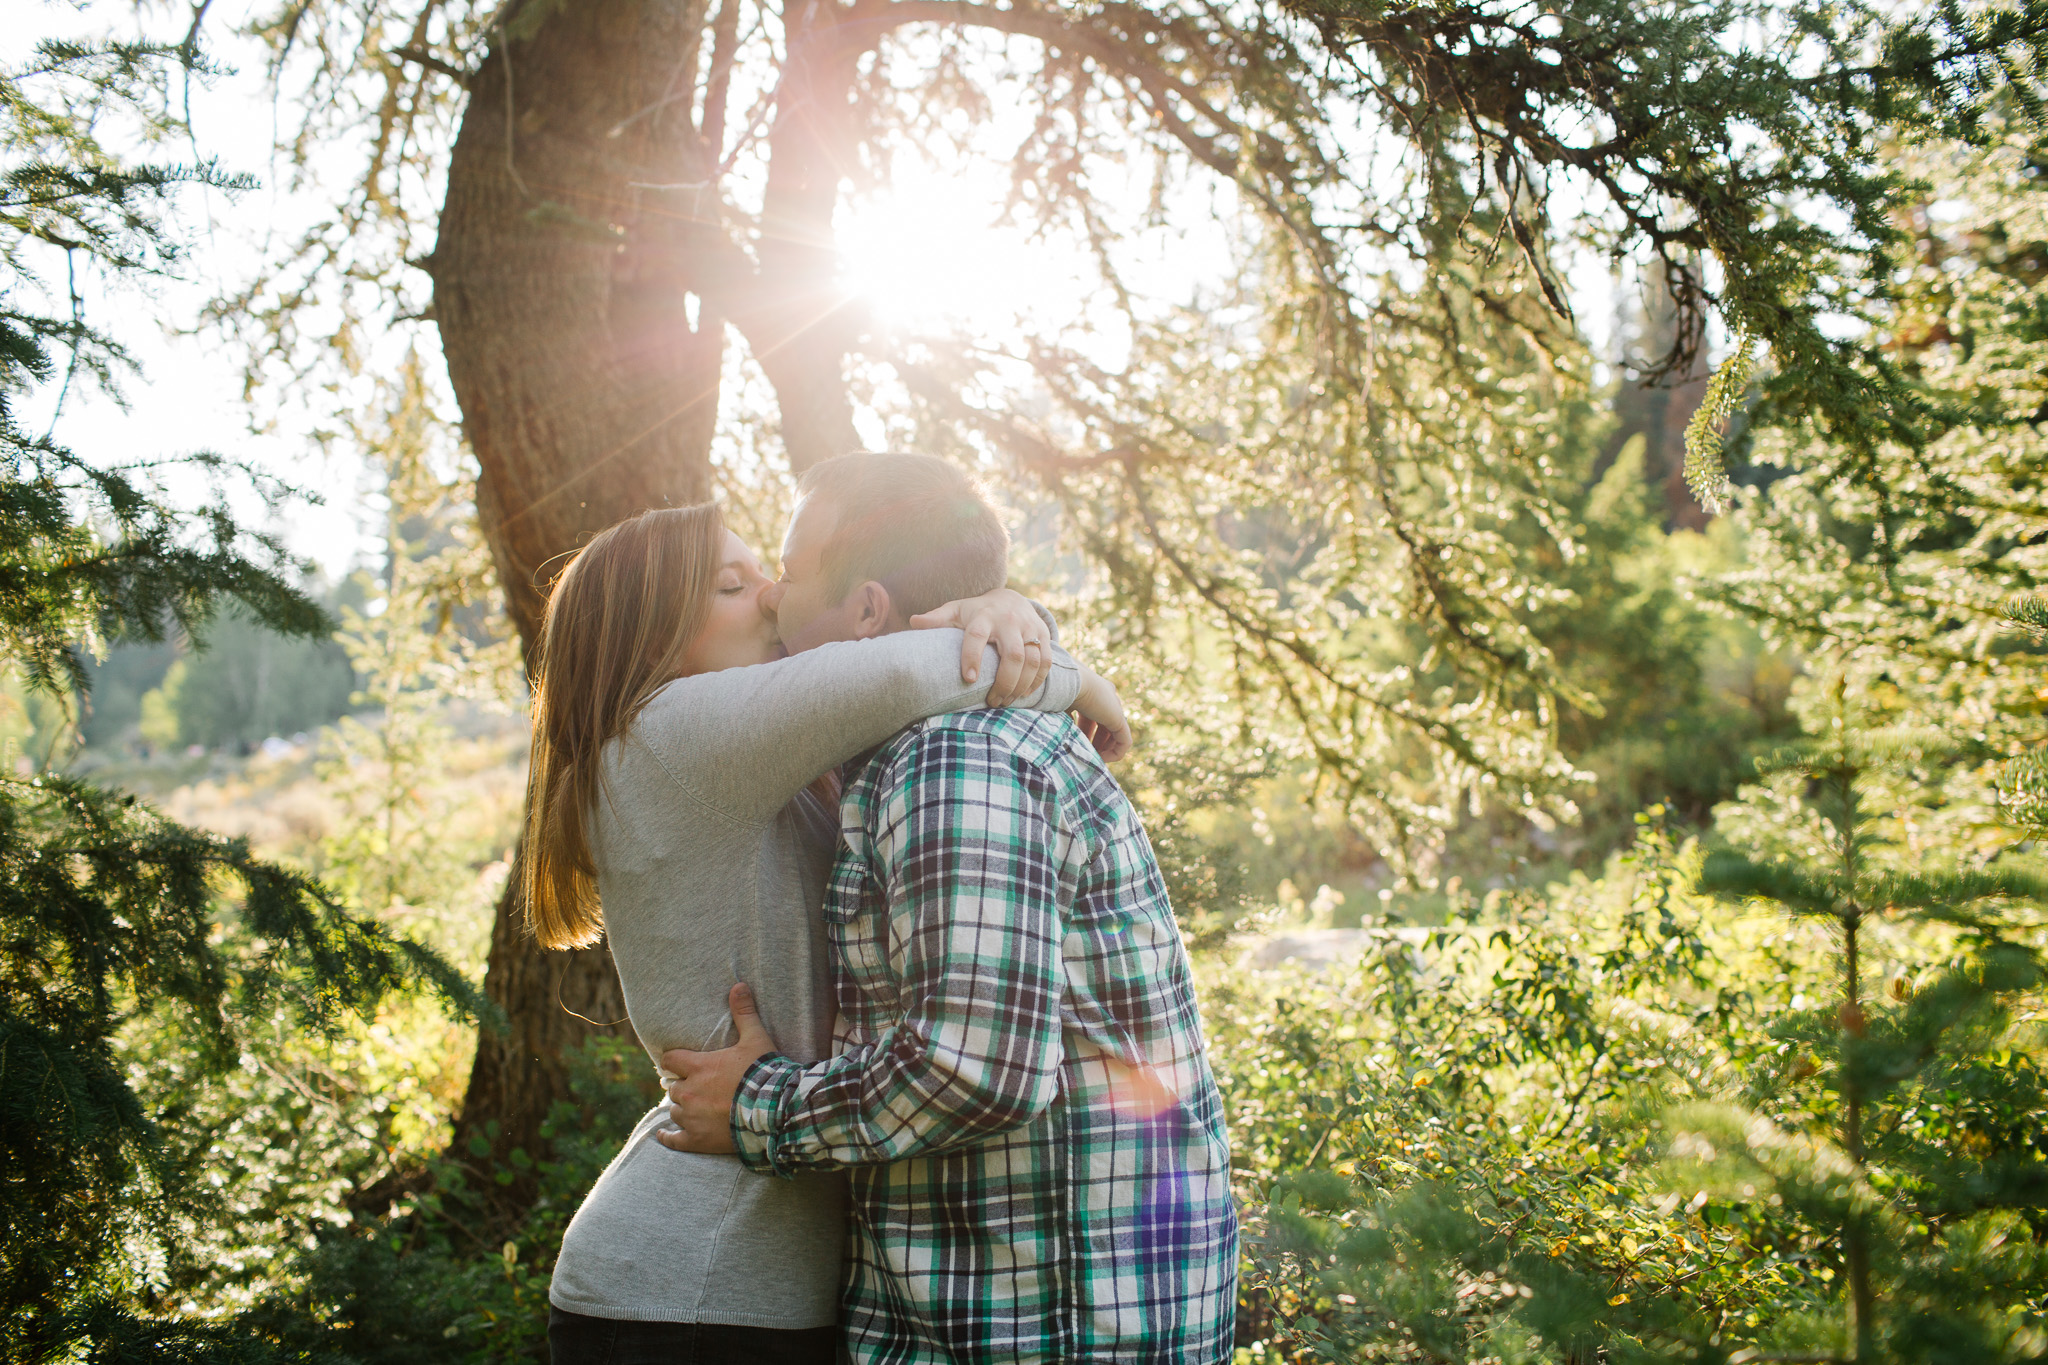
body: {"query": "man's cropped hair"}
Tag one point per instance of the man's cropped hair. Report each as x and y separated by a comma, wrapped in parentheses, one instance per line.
(916, 524)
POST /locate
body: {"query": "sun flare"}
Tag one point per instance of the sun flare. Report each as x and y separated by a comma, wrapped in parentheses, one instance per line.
(933, 254)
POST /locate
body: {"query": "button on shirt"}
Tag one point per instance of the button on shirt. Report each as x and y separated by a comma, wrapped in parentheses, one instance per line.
(1039, 1163)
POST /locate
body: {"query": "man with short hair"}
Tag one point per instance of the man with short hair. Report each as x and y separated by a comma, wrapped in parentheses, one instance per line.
(909, 528)
(1037, 1151)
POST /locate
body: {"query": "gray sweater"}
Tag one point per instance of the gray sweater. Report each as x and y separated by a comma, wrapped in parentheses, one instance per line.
(711, 860)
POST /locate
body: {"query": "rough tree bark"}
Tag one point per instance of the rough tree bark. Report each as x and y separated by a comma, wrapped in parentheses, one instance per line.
(585, 393)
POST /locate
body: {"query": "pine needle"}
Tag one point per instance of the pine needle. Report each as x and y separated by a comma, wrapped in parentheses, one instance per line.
(1706, 473)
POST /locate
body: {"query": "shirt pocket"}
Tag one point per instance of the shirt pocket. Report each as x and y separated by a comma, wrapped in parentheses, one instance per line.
(855, 920)
(845, 886)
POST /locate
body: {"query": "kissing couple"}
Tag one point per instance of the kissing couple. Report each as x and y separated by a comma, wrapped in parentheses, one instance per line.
(896, 940)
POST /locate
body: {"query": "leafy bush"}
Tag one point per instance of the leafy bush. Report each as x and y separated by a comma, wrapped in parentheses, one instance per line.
(108, 911)
(428, 1280)
(1427, 1129)
(1622, 1122)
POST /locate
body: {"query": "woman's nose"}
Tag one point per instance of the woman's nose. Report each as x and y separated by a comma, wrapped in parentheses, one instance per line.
(771, 597)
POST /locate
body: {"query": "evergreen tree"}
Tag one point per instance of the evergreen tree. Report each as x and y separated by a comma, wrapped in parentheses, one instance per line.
(1907, 1129)
(1907, 1134)
(110, 915)
(132, 565)
(129, 673)
(245, 684)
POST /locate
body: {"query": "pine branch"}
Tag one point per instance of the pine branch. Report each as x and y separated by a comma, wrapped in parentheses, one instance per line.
(1728, 873)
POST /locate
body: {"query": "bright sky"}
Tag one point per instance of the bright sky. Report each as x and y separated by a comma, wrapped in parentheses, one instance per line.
(959, 266)
(188, 395)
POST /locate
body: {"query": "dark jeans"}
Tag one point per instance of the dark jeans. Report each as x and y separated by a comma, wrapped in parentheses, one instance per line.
(574, 1339)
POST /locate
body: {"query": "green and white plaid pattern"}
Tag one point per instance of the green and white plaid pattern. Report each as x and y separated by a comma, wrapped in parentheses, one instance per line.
(1039, 1165)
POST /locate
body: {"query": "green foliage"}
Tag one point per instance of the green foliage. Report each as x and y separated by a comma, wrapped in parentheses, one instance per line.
(1347, 521)
(1754, 135)
(1925, 1145)
(1452, 1139)
(1705, 473)
(1677, 698)
(112, 917)
(1342, 483)
(36, 727)
(1903, 572)
(412, 1283)
(1671, 696)
(1890, 820)
(118, 683)
(415, 1282)
(1601, 1121)
(2023, 778)
(87, 550)
(1823, 1139)
(65, 578)
(340, 1223)
(108, 911)
(429, 646)
(1338, 480)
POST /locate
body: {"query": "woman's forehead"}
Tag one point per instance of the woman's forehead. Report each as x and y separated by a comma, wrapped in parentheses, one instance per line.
(735, 548)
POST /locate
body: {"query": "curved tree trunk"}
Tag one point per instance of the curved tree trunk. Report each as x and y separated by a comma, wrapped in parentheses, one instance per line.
(585, 393)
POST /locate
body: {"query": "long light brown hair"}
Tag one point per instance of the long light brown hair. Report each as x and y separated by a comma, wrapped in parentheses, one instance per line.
(619, 620)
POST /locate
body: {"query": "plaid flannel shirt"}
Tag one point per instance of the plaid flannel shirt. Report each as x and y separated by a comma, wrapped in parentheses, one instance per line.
(1038, 1159)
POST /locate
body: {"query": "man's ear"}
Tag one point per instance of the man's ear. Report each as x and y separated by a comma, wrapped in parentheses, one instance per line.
(872, 612)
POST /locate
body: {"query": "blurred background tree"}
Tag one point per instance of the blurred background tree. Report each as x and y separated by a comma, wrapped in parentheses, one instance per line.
(248, 684)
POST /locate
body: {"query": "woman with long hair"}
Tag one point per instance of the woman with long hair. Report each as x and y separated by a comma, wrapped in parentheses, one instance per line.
(677, 807)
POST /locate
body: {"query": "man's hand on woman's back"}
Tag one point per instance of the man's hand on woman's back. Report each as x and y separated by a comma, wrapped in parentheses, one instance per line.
(700, 1099)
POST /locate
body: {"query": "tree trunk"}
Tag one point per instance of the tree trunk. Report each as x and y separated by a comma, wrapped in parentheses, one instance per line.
(798, 322)
(1855, 1232)
(585, 393)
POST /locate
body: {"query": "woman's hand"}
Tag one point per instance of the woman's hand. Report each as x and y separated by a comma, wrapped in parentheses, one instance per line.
(1007, 620)
(1102, 717)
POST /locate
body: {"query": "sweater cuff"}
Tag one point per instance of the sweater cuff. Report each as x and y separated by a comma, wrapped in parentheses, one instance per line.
(1045, 615)
(754, 1109)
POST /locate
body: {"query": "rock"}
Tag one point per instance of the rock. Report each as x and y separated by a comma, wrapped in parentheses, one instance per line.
(1311, 947)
